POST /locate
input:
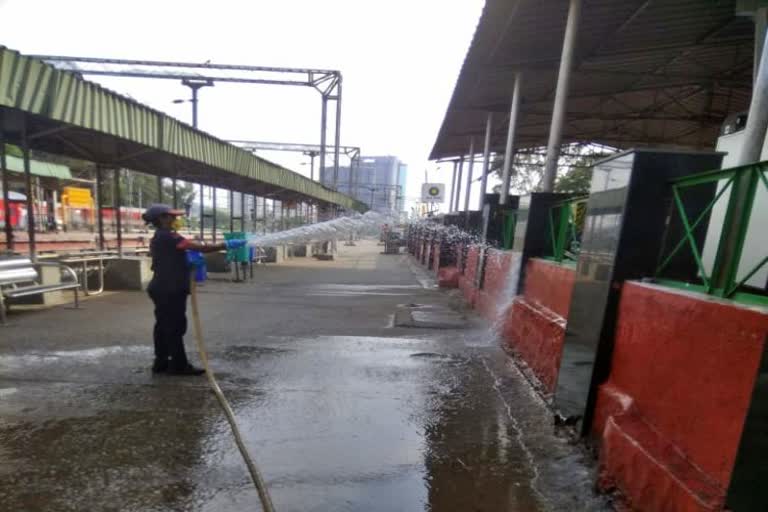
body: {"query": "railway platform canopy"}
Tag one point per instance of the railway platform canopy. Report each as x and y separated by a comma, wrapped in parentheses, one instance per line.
(619, 73)
(58, 112)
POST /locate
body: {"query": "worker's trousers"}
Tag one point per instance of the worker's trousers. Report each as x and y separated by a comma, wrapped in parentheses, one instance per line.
(170, 327)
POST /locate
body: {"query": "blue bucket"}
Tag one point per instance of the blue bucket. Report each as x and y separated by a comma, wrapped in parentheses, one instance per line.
(197, 262)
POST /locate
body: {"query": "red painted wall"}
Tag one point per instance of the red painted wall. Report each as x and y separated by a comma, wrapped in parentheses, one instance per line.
(536, 334)
(467, 280)
(671, 414)
(534, 327)
(549, 284)
(492, 298)
(448, 277)
(459, 248)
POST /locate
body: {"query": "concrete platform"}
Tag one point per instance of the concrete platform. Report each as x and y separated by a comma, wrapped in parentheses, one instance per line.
(128, 273)
(343, 411)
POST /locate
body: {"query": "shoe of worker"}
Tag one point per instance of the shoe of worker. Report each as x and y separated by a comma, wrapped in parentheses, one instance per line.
(159, 366)
(187, 370)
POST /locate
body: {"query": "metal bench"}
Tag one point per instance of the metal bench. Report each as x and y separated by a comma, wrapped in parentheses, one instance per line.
(19, 278)
(86, 262)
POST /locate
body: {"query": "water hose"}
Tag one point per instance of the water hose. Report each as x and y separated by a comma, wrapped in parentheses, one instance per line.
(261, 486)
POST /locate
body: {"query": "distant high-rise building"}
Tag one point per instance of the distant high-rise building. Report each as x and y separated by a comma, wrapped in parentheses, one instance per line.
(379, 182)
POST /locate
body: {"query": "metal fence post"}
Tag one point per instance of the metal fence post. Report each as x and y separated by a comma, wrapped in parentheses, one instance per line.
(100, 205)
(6, 191)
(118, 215)
(734, 233)
(202, 213)
(30, 194)
(213, 216)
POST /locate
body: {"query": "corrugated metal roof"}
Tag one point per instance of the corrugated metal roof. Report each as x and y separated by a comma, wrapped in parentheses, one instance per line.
(71, 116)
(646, 72)
(38, 168)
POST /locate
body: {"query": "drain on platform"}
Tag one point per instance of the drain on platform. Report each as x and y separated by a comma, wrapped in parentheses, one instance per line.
(428, 316)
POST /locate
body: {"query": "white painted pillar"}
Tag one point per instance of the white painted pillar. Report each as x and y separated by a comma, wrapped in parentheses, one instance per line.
(486, 158)
(561, 97)
(469, 173)
(509, 151)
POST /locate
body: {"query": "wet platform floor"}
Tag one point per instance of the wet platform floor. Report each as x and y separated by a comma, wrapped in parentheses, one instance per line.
(342, 411)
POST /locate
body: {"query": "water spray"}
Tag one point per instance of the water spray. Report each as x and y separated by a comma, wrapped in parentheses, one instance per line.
(322, 231)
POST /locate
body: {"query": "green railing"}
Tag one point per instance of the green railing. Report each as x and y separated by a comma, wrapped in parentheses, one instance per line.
(740, 185)
(509, 223)
(566, 223)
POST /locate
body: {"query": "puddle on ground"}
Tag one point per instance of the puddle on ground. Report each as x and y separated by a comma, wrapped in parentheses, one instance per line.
(428, 316)
(356, 290)
(235, 352)
(344, 423)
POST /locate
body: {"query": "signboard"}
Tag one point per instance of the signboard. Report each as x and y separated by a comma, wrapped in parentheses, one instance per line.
(77, 197)
(433, 193)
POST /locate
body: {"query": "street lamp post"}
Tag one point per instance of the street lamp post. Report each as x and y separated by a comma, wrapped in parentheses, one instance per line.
(194, 85)
(311, 155)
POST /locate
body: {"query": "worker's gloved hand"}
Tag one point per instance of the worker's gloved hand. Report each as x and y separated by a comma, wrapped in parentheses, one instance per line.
(234, 244)
(195, 258)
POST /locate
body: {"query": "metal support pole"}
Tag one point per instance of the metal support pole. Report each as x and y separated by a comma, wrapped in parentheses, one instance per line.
(264, 209)
(213, 213)
(6, 190)
(486, 158)
(174, 193)
(231, 211)
(312, 166)
(453, 185)
(100, 206)
(159, 189)
(561, 97)
(458, 183)
(509, 151)
(274, 215)
(350, 181)
(242, 212)
(356, 193)
(30, 194)
(323, 136)
(338, 136)
(757, 120)
(469, 175)
(761, 27)
(194, 107)
(118, 214)
(202, 214)
(742, 191)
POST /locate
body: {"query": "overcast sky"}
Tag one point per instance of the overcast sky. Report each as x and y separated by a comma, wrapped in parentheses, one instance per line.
(399, 59)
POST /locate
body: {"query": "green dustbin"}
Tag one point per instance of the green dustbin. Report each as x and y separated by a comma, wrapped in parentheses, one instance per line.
(237, 255)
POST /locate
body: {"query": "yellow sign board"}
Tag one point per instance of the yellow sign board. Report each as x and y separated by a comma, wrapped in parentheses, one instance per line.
(77, 197)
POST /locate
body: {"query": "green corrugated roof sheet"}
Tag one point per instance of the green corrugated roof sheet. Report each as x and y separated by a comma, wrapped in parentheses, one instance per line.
(35, 87)
(38, 168)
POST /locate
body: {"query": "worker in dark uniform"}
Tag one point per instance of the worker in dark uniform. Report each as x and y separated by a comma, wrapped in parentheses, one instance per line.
(170, 286)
